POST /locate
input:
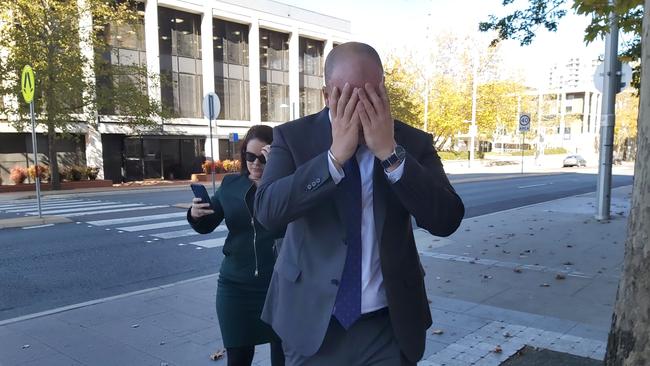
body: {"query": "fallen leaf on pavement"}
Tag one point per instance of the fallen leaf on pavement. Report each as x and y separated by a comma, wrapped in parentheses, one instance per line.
(25, 346)
(507, 335)
(135, 326)
(568, 263)
(545, 285)
(218, 355)
(497, 349)
(517, 270)
(437, 332)
(560, 276)
(569, 246)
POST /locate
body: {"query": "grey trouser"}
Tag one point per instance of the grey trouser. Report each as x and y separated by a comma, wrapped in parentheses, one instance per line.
(369, 342)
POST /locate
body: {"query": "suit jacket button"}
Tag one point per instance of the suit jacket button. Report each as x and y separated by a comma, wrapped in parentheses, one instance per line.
(317, 180)
(335, 282)
(309, 186)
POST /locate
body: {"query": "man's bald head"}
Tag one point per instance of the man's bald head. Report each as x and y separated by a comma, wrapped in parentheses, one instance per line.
(354, 63)
(351, 54)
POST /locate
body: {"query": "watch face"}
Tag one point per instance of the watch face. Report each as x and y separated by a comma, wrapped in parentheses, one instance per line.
(400, 152)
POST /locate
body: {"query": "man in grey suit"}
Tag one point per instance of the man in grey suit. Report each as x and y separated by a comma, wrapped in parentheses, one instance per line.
(348, 286)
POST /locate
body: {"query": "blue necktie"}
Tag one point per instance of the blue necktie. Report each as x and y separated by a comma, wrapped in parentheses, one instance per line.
(347, 308)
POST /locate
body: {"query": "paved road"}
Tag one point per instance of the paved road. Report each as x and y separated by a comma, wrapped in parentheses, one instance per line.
(129, 241)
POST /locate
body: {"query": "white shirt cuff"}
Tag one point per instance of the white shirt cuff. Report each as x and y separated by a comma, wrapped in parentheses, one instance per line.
(396, 174)
(337, 175)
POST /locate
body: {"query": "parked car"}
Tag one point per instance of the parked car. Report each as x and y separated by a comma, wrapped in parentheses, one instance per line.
(574, 160)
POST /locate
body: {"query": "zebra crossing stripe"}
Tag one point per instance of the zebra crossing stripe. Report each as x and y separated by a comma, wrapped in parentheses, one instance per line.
(135, 219)
(184, 233)
(176, 234)
(159, 225)
(81, 209)
(30, 204)
(210, 243)
(75, 214)
(63, 206)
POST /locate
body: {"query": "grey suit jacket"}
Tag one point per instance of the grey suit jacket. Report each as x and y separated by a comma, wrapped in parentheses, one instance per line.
(297, 191)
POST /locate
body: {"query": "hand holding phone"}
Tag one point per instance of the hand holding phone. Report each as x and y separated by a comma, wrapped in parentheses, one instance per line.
(201, 205)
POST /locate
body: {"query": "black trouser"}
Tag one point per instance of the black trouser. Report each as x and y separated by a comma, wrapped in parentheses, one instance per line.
(243, 356)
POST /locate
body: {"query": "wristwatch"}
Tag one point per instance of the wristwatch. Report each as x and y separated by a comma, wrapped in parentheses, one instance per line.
(398, 155)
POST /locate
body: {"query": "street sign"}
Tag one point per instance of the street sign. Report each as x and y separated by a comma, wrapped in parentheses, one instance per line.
(625, 75)
(211, 106)
(27, 86)
(27, 82)
(524, 122)
(234, 137)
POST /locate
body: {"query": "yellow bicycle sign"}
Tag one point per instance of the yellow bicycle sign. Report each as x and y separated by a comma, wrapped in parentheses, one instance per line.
(27, 83)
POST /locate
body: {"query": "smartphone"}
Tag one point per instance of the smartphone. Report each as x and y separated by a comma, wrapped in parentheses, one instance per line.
(202, 193)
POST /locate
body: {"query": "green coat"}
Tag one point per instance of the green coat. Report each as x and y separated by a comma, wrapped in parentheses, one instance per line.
(233, 202)
(246, 269)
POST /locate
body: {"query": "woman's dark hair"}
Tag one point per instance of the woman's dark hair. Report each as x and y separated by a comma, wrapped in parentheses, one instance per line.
(260, 132)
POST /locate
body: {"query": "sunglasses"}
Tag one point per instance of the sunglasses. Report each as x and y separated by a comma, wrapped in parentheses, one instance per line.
(250, 157)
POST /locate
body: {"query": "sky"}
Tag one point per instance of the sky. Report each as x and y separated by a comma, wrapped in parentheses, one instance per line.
(399, 26)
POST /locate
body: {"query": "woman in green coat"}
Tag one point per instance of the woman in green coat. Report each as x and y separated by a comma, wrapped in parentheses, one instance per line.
(249, 254)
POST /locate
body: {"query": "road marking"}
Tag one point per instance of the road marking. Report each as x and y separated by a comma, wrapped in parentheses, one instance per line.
(159, 225)
(63, 206)
(137, 219)
(184, 233)
(114, 210)
(81, 209)
(37, 226)
(534, 185)
(210, 243)
(44, 204)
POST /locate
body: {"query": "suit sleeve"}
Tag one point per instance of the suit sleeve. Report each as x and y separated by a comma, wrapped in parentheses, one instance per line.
(427, 194)
(207, 224)
(287, 191)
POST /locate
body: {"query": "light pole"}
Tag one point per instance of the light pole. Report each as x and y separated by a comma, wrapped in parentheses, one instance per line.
(472, 128)
(608, 118)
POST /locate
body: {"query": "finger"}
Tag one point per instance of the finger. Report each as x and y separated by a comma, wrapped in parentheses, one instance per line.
(383, 94)
(374, 97)
(363, 116)
(205, 212)
(367, 104)
(352, 104)
(201, 205)
(334, 98)
(196, 200)
(343, 100)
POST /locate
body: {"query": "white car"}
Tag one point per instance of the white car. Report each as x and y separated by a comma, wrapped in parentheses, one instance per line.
(574, 160)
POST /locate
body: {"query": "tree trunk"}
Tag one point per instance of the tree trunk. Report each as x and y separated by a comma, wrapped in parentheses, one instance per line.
(55, 178)
(629, 337)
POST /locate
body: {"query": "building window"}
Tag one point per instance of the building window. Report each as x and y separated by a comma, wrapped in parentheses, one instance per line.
(180, 61)
(231, 73)
(123, 61)
(274, 75)
(311, 75)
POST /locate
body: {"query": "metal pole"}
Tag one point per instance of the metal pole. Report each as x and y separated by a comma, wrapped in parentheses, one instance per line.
(608, 118)
(474, 91)
(523, 139)
(35, 149)
(214, 186)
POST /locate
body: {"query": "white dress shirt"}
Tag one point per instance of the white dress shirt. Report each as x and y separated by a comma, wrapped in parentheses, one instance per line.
(373, 293)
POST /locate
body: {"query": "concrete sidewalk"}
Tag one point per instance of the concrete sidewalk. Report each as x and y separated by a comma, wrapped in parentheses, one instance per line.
(543, 275)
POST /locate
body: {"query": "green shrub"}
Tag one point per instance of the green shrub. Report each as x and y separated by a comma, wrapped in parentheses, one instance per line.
(555, 150)
(74, 173)
(452, 155)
